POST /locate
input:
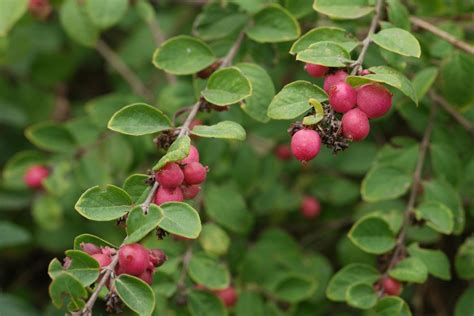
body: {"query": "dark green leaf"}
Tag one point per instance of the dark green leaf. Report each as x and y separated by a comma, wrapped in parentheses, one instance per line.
(328, 54)
(207, 271)
(392, 306)
(227, 86)
(437, 216)
(140, 224)
(77, 23)
(384, 183)
(325, 34)
(225, 130)
(361, 296)
(12, 235)
(435, 261)
(351, 274)
(180, 219)
(106, 13)
(410, 269)
(372, 234)
(343, 9)
(136, 294)
(204, 303)
(51, 136)
(104, 203)
(398, 41)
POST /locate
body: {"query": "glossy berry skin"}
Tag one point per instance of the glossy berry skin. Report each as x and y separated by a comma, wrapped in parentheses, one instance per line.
(193, 156)
(102, 259)
(190, 191)
(164, 195)
(228, 296)
(170, 176)
(305, 144)
(342, 97)
(147, 276)
(283, 152)
(89, 248)
(310, 207)
(194, 173)
(374, 100)
(35, 175)
(133, 259)
(355, 125)
(316, 71)
(335, 78)
(391, 286)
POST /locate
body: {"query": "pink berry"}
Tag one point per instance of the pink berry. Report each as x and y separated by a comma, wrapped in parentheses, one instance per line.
(193, 156)
(316, 71)
(168, 195)
(108, 251)
(35, 175)
(147, 276)
(283, 152)
(310, 207)
(133, 259)
(335, 78)
(157, 257)
(89, 248)
(374, 100)
(391, 286)
(228, 296)
(170, 176)
(194, 173)
(305, 144)
(355, 125)
(190, 191)
(364, 72)
(102, 259)
(342, 97)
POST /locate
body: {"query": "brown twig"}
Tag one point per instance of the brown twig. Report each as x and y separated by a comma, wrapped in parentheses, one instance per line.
(125, 72)
(453, 112)
(442, 34)
(182, 277)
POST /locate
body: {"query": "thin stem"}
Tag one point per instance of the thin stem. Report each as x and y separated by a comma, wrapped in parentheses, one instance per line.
(453, 112)
(366, 42)
(233, 51)
(400, 244)
(127, 74)
(182, 277)
(442, 34)
(146, 204)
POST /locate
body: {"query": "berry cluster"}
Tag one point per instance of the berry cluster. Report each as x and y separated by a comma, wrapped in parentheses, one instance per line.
(180, 181)
(357, 106)
(228, 296)
(35, 175)
(390, 286)
(134, 259)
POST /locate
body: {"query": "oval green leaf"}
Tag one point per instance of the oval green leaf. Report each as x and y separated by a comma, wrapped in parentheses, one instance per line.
(140, 224)
(204, 303)
(227, 86)
(391, 306)
(325, 53)
(225, 130)
(435, 261)
(343, 9)
(213, 239)
(65, 285)
(361, 296)
(325, 34)
(180, 219)
(106, 13)
(77, 24)
(83, 267)
(410, 270)
(177, 151)
(372, 234)
(136, 294)
(51, 136)
(398, 41)
(207, 271)
(437, 216)
(385, 183)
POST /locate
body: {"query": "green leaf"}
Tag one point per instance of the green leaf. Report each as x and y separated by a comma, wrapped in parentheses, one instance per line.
(51, 136)
(227, 86)
(274, 24)
(249, 303)
(104, 203)
(464, 304)
(325, 53)
(299, 8)
(372, 234)
(361, 296)
(437, 216)
(204, 303)
(343, 9)
(446, 162)
(180, 219)
(139, 119)
(13, 305)
(183, 55)
(136, 294)
(226, 207)
(385, 183)
(214, 240)
(387, 75)
(464, 260)
(12, 235)
(410, 269)
(137, 187)
(16, 166)
(225, 130)
(398, 41)
(392, 306)
(263, 91)
(66, 285)
(77, 24)
(10, 12)
(207, 271)
(398, 14)
(293, 100)
(423, 81)
(351, 274)
(435, 261)
(88, 238)
(47, 212)
(458, 67)
(106, 13)
(325, 34)
(177, 151)
(140, 224)
(83, 267)
(294, 288)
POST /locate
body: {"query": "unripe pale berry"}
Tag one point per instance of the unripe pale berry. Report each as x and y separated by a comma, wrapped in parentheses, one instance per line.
(228, 296)
(305, 144)
(133, 259)
(374, 100)
(89, 248)
(157, 257)
(147, 276)
(355, 125)
(193, 156)
(335, 78)
(102, 259)
(35, 175)
(164, 195)
(283, 152)
(342, 97)
(190, 191)
(310, 207)
(391, 286)
(194, 173)
(316, 71)
(170, 176)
